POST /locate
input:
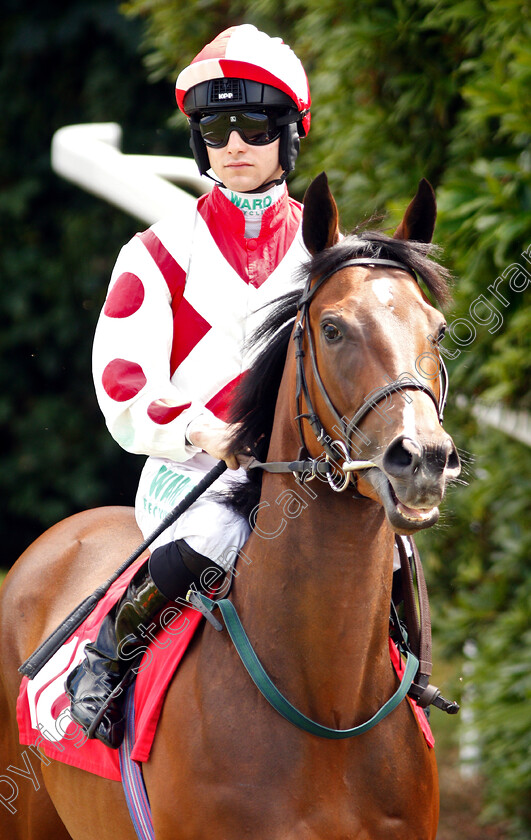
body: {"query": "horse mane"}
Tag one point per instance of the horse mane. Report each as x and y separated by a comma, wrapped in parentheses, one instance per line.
(254, 402)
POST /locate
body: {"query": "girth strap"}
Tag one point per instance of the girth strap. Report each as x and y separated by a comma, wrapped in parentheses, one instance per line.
(419, 631)
(418, 624)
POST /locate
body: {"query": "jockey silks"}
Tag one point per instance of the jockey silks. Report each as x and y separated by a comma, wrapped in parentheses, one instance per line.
(169, 346)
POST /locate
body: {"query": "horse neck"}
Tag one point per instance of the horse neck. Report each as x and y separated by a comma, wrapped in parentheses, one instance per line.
(315, 588)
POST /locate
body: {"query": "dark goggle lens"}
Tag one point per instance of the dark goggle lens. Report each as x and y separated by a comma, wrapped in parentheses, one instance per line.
(256, 128)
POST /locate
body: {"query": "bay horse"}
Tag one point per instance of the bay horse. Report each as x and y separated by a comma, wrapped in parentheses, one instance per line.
(314, 592)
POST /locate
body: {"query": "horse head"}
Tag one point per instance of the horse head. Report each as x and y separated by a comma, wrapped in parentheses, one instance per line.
(372, 376)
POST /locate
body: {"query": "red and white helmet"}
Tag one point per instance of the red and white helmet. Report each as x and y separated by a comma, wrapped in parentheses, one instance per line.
(221, 76)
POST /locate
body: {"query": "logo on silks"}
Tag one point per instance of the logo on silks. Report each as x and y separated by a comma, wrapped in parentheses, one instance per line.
(253, 205)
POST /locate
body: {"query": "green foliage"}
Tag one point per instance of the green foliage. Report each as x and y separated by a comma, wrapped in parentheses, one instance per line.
(61, 64)
(485, 203)
(480, 584)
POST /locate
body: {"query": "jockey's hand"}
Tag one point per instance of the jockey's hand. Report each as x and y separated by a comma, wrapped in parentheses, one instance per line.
(214, 437)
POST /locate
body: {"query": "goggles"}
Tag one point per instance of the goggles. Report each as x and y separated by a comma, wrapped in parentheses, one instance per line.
(257, 128)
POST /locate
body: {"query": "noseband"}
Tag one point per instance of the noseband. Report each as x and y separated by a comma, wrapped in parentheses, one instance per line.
(335, 450)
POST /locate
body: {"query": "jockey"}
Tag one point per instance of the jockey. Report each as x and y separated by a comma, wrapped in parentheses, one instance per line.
(170, 343)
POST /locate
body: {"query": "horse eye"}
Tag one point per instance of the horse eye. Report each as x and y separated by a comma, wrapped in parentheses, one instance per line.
(331, 332)
(442, 333)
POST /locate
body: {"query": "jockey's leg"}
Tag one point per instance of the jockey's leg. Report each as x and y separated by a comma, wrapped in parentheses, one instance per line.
(206, 536)
(171, 570)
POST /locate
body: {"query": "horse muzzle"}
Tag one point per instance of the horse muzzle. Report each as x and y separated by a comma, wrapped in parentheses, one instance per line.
(411, 481)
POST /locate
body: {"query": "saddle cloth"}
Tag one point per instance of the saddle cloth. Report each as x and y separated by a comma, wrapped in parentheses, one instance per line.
(43, 714)
(43, 708)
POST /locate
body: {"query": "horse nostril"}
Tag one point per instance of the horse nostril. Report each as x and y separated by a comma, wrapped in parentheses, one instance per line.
(402, 456)
(454, 462)
(444, 456)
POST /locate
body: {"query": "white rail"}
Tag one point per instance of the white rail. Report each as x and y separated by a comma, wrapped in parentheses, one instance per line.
(516, 424)
(89, 155)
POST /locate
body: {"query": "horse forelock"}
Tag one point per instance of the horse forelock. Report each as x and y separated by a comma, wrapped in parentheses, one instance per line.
(418, 256)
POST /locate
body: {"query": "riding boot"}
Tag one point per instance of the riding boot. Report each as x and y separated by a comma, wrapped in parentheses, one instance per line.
(122, 633)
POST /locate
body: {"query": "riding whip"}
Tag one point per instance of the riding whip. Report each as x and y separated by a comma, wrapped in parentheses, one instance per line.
(55, 640)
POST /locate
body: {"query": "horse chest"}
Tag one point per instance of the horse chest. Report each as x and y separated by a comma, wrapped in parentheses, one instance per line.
(232, 768)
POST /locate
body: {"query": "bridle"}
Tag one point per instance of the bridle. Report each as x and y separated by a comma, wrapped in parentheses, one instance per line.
(307, 468)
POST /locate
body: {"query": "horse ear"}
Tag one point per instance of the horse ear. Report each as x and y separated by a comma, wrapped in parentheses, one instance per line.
(419, 219)
(320, 219)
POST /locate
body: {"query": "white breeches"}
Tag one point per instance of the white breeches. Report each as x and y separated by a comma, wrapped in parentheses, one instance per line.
(208, 526)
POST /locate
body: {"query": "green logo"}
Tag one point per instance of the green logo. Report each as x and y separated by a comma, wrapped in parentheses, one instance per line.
(168, 485)
(256, 204)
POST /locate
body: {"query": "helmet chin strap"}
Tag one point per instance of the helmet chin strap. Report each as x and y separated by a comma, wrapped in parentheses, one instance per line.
(261, 188)
(268, 184)
(276, 182)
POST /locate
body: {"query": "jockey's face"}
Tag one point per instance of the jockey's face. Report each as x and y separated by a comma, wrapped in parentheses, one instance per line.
(242, 167)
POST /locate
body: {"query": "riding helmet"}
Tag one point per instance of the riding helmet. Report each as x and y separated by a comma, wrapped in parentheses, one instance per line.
(243, 69)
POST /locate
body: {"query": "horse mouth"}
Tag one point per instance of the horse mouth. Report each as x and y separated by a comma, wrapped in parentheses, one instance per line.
(402, 518)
